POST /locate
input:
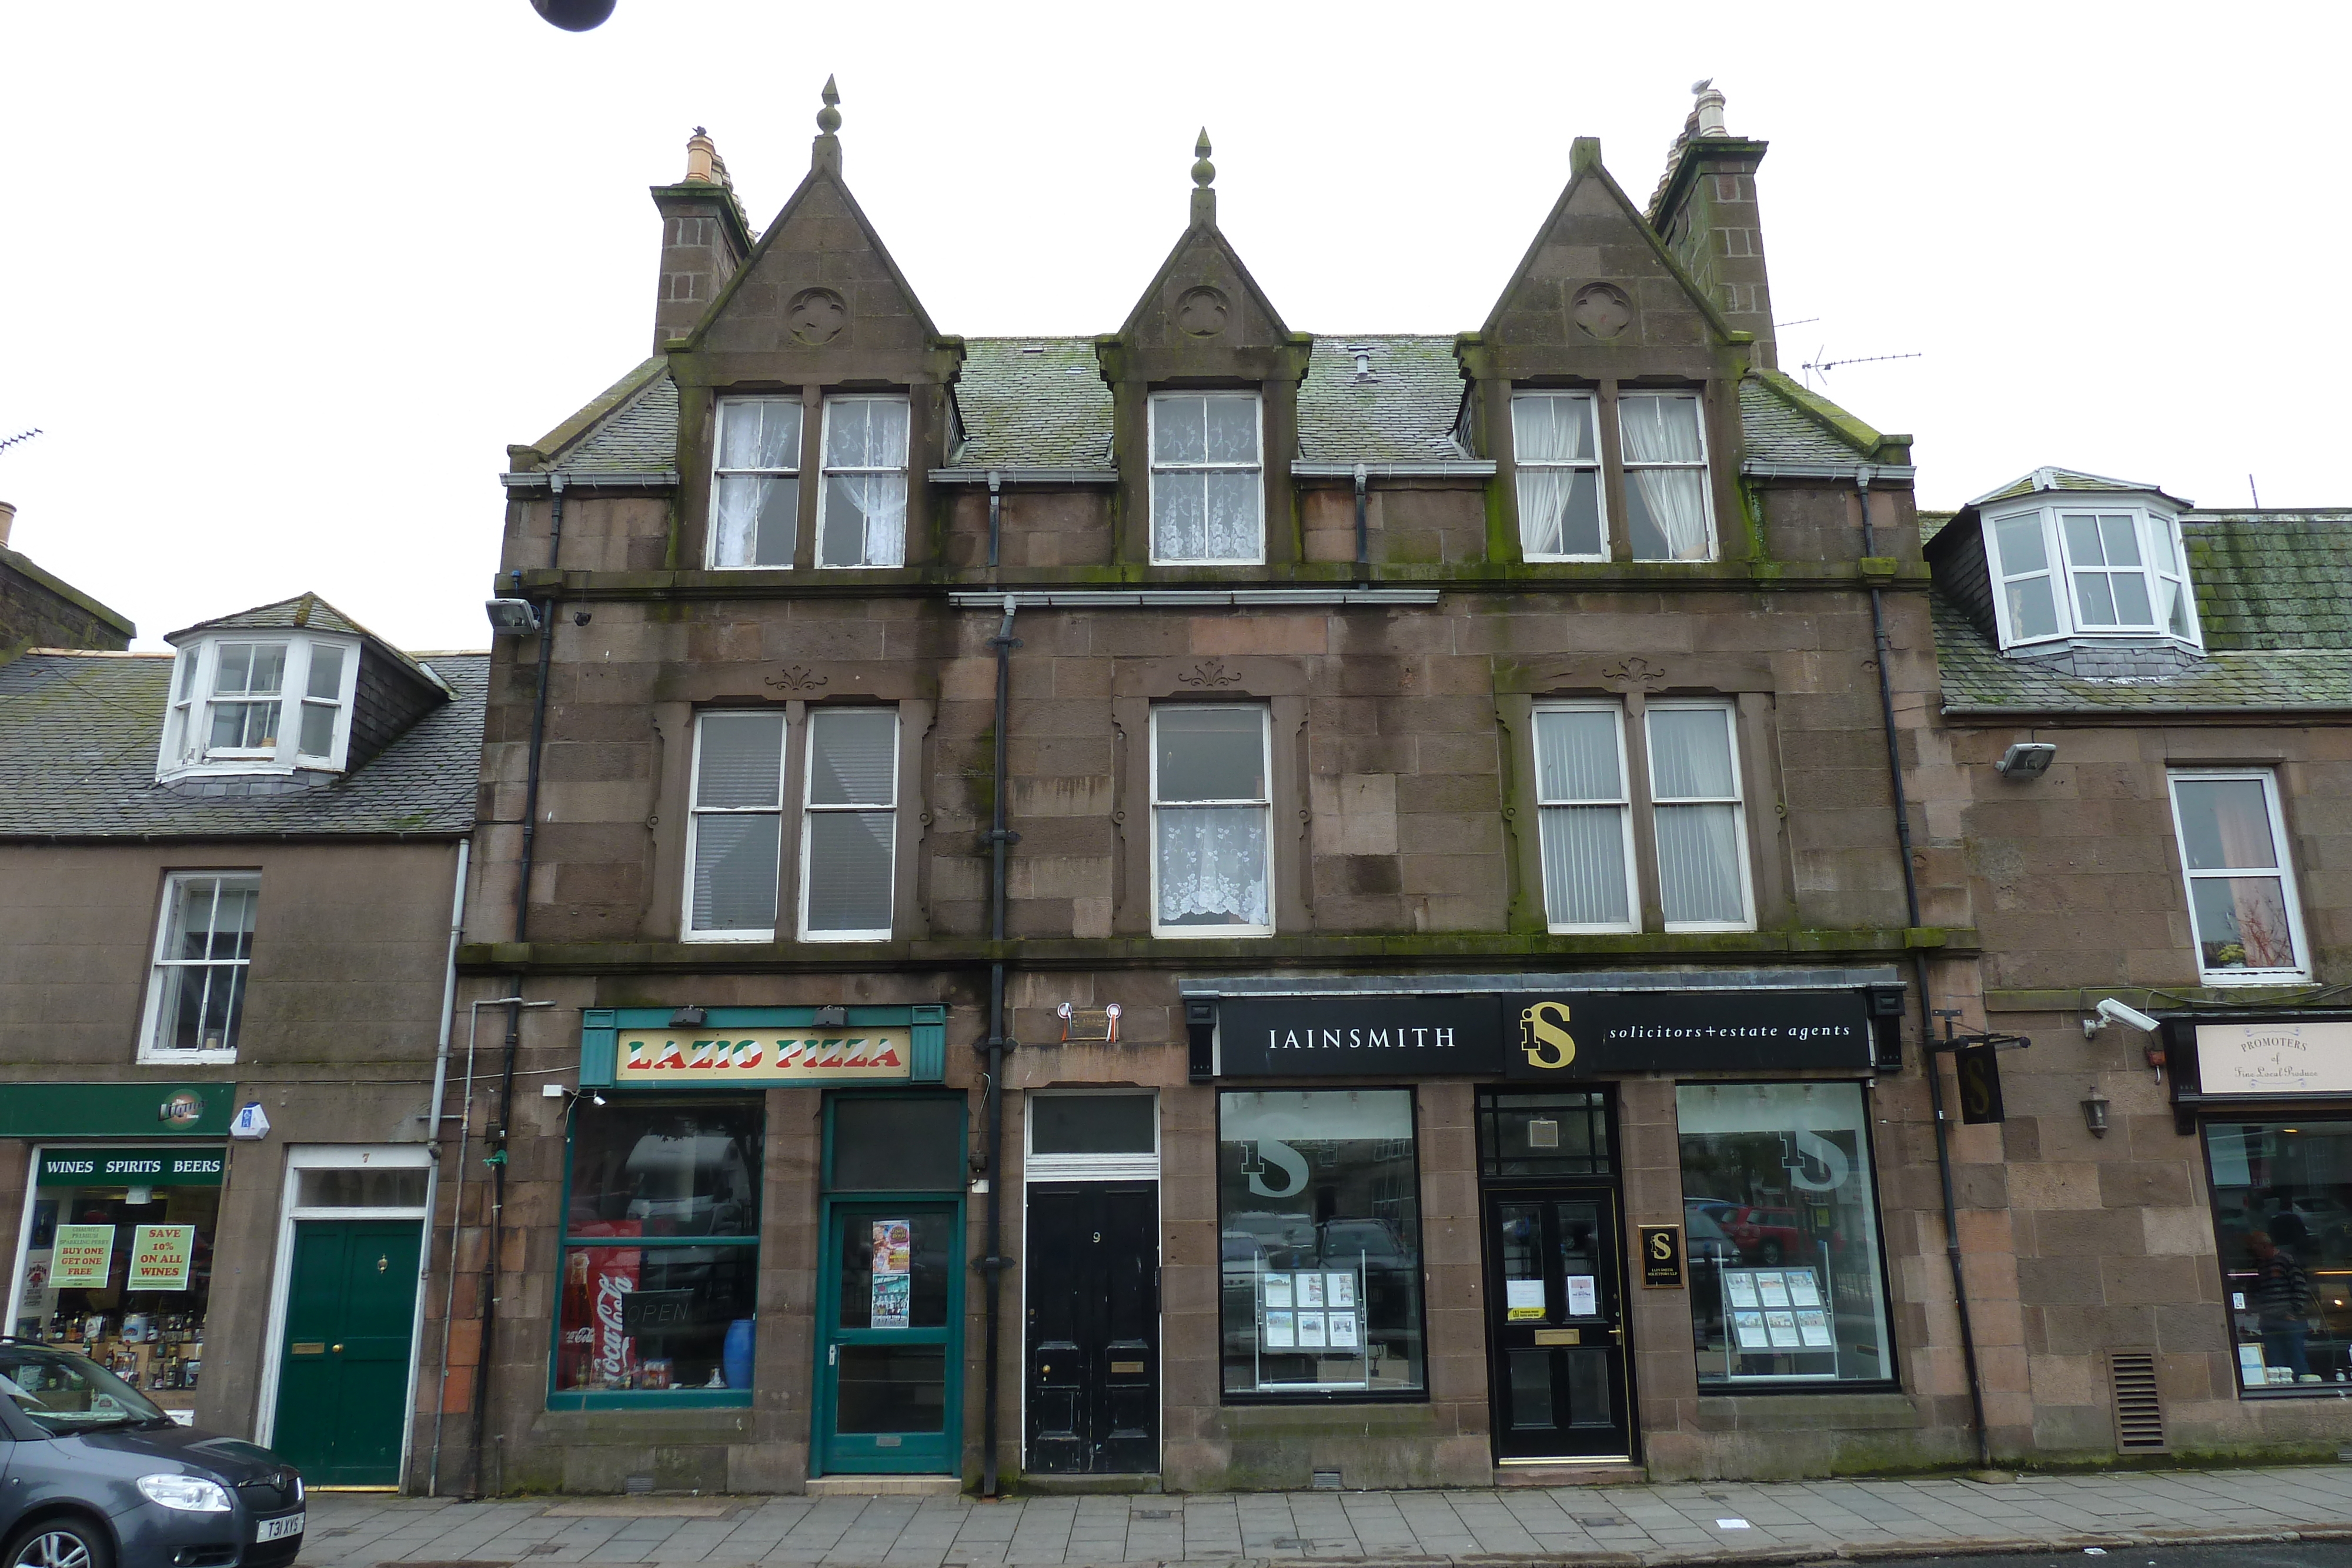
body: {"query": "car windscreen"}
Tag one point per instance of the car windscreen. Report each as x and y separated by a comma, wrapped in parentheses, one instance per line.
(60, 1392)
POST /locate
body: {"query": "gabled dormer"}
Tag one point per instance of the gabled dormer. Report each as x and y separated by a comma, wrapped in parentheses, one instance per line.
(2058, 560)
(811, 395)
(1205, 405)
(285, 696)
(1606, 389)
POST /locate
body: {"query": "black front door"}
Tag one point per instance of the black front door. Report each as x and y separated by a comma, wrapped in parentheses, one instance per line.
(1093, 1328)
(1556, 1322)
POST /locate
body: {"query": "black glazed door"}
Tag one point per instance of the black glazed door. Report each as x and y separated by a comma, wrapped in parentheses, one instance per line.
(1093, 1328)
(1556, 1324)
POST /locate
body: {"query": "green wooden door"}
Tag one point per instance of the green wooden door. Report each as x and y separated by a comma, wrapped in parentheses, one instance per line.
(342, 1383)
(889, 1338)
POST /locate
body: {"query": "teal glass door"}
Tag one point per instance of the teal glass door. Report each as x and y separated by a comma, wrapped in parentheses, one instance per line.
(889, 1338)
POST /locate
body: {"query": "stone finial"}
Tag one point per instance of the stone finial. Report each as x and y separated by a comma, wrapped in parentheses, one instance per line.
(1205, 175)
(824, 153)
(1708, 112)
(701, 159)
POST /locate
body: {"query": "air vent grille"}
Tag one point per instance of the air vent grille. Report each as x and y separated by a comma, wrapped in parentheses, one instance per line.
(2140, 1414)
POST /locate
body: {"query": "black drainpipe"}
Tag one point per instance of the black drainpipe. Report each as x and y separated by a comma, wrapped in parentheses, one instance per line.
(1363, 538)
(1927, 1056)
(995, 515)
(497, 1158)
(999, 839)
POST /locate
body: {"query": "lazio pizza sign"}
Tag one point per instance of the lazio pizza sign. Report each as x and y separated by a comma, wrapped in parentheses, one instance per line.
(669, 1059)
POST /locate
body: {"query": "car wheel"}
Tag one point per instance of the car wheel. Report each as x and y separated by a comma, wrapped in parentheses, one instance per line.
(1769, 1252)
(59, 1543)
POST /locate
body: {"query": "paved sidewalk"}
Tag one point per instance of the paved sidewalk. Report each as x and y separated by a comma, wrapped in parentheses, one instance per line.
(1626, 1525)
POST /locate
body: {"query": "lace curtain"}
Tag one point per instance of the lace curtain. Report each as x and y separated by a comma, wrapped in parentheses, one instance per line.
(1205, 517)
(1665, 430)
(865, 520)
(1559, 512)
(1212, 866)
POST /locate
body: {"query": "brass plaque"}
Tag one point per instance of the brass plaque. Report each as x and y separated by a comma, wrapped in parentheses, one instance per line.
(308, 1348)
(1127, 1368)
(1559, 1336)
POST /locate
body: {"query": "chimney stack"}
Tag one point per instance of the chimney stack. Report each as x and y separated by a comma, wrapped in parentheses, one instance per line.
(7, 520)
(704, 239)
(1705, 209)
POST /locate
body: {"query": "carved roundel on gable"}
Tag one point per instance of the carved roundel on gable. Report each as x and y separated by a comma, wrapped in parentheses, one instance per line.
(816, 316)
(1202, 312)
(1601, 310)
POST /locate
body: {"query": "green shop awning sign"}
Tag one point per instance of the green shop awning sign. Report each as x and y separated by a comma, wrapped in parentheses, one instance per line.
(116, 1109)
(132, 1168)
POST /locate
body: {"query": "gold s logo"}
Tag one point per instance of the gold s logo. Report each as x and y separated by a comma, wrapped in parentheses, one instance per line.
(1978, 1092)
(1543, 1035)
(1662, 1246)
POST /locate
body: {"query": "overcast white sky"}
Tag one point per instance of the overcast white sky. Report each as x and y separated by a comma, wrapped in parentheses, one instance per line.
(280, 281)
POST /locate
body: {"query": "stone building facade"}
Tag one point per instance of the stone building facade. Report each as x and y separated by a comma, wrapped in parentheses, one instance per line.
(1459, 985)
(39, 610)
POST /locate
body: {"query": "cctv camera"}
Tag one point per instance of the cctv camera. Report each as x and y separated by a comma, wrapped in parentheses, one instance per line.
(2113, 1012)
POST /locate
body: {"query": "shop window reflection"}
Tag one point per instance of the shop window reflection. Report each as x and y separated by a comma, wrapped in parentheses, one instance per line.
(2283, 1222)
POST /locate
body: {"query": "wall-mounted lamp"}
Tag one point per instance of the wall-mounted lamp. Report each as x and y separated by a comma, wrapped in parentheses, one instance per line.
(688, 1016)
(2095, 1112)
(2026, 759)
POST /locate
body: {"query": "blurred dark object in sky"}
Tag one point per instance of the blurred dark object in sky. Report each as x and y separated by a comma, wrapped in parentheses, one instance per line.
(575, 15)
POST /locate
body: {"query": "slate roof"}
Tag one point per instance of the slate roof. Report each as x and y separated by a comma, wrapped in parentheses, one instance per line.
(304, 610)
(2064, 479)
(2274, 601)
(1033, 403)
(1041, 402)
(1403, 411)
(78, 734)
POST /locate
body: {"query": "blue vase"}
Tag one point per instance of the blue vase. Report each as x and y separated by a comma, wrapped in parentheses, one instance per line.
(735, 1356)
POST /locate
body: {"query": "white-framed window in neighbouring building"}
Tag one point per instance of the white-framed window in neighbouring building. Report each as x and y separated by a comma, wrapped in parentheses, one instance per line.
(1701, 816)
(735, 829)
(1208, 479)
(849, 827)
(260, 704)
(861, 507)
(755, 483)
(2109, 569)
(2243, 906)
(1212, 818)
(1556, 450)
(1585, 818)
(1668, 514)
(204, 949)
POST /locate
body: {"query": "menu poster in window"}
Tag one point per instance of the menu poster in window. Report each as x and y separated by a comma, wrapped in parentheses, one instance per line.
(1583, 1300)
(892, 1302)
(1280, 1334)
(893, 1247)
(1310, 1331)
(893, 1262)
(1339, 1290)
(84, 1254)
(1278, 1290)
(1343, 1331)
(161, 1257)
(1749, 1328)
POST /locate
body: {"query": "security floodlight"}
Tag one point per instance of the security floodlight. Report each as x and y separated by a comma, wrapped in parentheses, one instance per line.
(515, 617)
(2026, 759)
(2113, 1012)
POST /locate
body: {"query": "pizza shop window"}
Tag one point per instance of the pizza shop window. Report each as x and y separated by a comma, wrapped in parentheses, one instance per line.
(117, 1263)
(661, 1254)
(1320, 1226)
(1780, 1217)
(2285, 1242)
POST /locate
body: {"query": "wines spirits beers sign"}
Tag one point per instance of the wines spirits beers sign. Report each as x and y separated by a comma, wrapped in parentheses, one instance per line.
(1532, 1035)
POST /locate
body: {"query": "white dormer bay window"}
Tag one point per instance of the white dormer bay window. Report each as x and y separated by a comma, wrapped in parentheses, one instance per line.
(260, 702)
(2106, 567)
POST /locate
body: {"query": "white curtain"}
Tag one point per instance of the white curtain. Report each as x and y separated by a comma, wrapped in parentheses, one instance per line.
(755, 518)
(1665, 430)
(1559, 512)
(1205, 517)
(866, 521)
(1213, 863)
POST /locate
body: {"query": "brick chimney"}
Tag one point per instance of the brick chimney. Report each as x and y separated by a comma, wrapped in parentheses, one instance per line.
(1706, 211)
(704, 239)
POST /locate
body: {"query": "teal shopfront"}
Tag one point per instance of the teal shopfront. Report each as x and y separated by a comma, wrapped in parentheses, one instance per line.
(668, 1202)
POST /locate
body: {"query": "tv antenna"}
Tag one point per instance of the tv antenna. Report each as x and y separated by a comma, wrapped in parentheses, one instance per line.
(20, 436)
(1817, 365)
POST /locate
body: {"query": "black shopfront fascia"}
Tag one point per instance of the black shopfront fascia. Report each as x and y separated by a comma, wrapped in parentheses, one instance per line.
(1535, 1032)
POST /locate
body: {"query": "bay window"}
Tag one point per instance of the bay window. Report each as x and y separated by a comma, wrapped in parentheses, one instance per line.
(1208, 480)
(2242, 909)
(260, 704)
(1211, 821)
(2093, 571)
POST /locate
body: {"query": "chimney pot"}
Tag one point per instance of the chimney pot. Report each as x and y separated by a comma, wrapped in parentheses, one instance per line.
(701, 158)
(7, 520)
(1709, 107)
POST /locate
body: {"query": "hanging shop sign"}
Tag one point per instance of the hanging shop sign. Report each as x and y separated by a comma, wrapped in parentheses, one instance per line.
(1532, 1036)
(162, 1257)
(761, 1048)
(2275, 1057)
(1978, 1070)
(130, 1167)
